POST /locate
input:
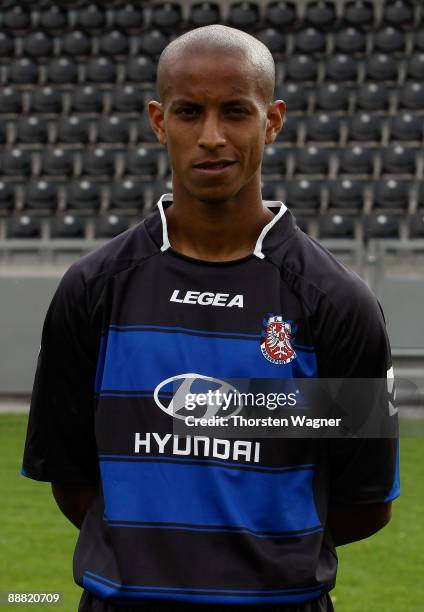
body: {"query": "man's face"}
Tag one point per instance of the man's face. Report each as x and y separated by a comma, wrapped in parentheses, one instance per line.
(215, 124)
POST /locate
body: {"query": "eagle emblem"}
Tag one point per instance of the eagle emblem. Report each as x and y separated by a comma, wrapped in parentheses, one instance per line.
(276, 346)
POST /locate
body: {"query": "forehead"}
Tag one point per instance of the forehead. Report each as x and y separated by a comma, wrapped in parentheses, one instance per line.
(216, 75)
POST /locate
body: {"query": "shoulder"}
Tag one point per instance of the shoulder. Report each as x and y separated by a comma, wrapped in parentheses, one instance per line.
(323, 283)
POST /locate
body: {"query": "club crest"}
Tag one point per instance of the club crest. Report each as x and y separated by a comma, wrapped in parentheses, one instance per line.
(276, 345)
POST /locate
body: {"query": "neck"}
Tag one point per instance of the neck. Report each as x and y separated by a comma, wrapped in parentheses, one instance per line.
(216, 230)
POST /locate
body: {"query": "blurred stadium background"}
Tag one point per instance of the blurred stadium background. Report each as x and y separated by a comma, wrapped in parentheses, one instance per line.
(79, 164)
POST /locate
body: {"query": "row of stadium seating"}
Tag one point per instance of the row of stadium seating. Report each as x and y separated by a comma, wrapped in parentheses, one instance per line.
(358, 160)
(92, 16)
(108, 225)
(309, 196)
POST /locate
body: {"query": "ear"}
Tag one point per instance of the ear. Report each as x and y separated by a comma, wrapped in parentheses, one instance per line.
(275, 119)
(156, 117)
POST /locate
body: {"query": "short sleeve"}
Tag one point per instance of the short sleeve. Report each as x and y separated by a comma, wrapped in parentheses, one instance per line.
(60, 442)
(353, 344)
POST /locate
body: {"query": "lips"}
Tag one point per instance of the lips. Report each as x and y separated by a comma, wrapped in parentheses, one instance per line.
(219, 164)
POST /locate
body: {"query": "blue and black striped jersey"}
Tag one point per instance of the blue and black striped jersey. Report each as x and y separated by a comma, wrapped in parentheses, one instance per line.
(198, 519)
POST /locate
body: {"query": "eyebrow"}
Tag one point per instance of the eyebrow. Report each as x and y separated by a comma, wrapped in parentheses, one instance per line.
(186, 101)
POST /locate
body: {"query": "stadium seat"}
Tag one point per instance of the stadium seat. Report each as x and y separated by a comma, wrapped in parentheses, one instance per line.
(127, 98)
(161, 187)
(32, 129)
(153, 42)
(243, 15)
(99, 161)
(86, 99)
(23, 226)
(167, 16)
(112, 128)
(421, 194)
(312, 160)
(310, 40)
(128, 16)
(101, 70)
(301, 68)
(391, 193)
(357, 160)
(332, 97)
(274, 160)
(268, 190)
(372, 97)
(6, 45)
(141, 161)
(295, 96)
(40, 195)
(114, 43)
(7, 196)
(83, 194)
(46, 100)
(127, 194)
(412, 95)
(144, 130)
(346, 194)
(76, 43)
(406, 126)
(204, 13)
(323, 127)
(289, 133)
(273, 39)
(16, 162)
(57, 162)
(381, 67)
(416, 225)
(350, 40)
(10, 101)
(16, 18)
(336, 225)
(23, 70)
(379, 225)
(359, 13)
(62, 70)
(341, 67)
(141, 69)
(388, 39)
(67, 226)
(419, 40)
(52, 17)
(91, 17)
(364, 127)
(110, 225)
(38, 44)
(415, 66)
(320, 14)
(398, 159)
(398, 13)
(303, 194)
(73, 129)
(281, 14)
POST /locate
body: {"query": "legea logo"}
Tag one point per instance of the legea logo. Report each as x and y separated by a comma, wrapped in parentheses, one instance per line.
(190, 385)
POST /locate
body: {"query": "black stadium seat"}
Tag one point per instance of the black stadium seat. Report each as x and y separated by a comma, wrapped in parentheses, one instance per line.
(295, 96)
(406, 126)
(6, 44)
(91, 17)
(243, 15)
(336, 225)
(114, 43)
(412, 95)
(73, 129)
(398, 12)
(167, 16)
(391, 193)
(153, 42)
(40, 195)
(274, 160)
(273, 39)
(62, 70)
(32, 129)
(323, 127)
(46, 100)
(373, 96)
(389, 40)
(346, 194)
(381, 225)
(128, 16)
(23, 226)
(86, 99)
(10, 100)
(113, 128)
(204, 13)
(332, 97)
(127, 98)
(357, 160)
(310, 40)
(141, 69)
(52, 17)
(364, 127)
(110, 225)
(38, 44)
(341, 67)
(359, 12)
(101, 70)
(16, 18)
(289, 133)
(398, 159)
(321, 14)
(300, 67)
(67, 226)
(98, 162)
(350, 40)
(23, 70)
(76, 43)
(281, 14)
(16, 162)
(83, 194)
(416, 225)
(269, 190)
(312, 160)
(381, 67)
(57, 162)
(415, 66)
(127, 194)
(303, 193)
(7, 196)
(141, 161)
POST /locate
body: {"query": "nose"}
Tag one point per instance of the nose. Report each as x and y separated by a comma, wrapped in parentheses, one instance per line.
(211, 135)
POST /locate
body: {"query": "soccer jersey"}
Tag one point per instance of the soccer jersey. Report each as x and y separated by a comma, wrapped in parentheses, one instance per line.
(197, 519)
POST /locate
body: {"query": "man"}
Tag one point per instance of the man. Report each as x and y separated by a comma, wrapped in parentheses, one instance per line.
(193, 289)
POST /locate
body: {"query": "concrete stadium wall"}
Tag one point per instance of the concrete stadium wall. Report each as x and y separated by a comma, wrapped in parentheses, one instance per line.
(24, 300)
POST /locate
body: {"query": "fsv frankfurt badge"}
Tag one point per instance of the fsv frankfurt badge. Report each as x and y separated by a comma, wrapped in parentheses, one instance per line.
(276, 347)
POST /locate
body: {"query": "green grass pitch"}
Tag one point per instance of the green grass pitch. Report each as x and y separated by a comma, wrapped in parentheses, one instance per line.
(381, 574)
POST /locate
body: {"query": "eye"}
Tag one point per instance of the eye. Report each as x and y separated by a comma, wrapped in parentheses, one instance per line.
(236, 110)
(188, 111)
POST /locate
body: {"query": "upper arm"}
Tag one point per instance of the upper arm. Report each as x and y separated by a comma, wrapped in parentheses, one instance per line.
(60, 443)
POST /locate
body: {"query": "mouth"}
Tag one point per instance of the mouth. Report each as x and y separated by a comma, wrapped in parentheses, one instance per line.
(211, 167)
